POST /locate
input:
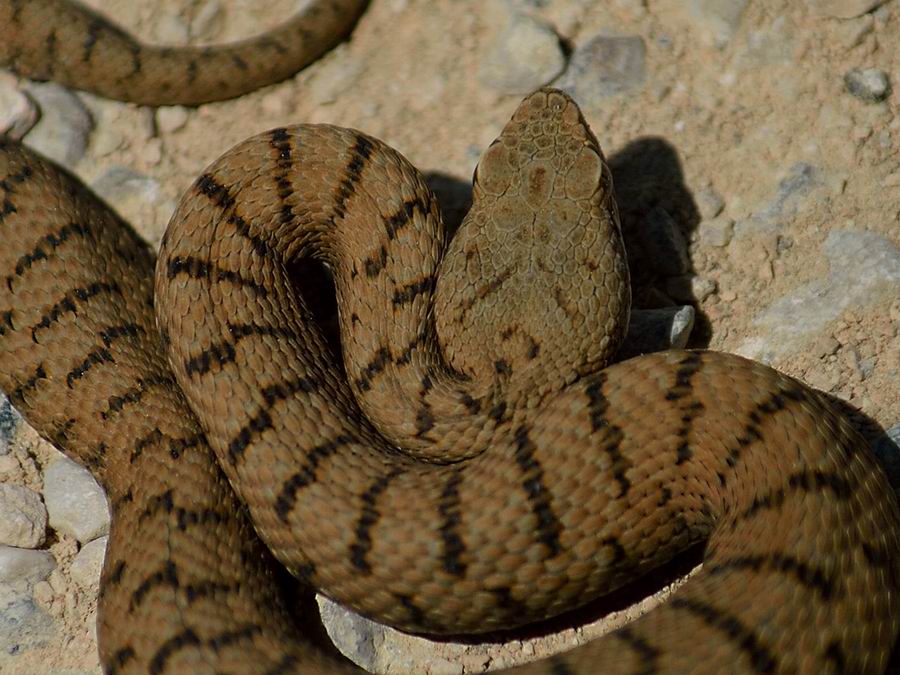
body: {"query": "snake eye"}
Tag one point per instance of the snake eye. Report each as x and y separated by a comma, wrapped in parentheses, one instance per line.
(493, 172)
(586, 174)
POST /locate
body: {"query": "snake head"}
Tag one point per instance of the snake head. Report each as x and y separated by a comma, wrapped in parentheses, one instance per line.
(539, 258)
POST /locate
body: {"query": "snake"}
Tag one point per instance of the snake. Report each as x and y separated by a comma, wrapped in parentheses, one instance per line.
(64, 41)
(472, 459)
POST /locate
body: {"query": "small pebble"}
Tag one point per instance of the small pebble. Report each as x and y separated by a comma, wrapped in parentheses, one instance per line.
(527, 55)
(868, 84)
(703, 288)
(710, 203)
(716, 232)
(604, 66)
(171, 118)
(653, 330)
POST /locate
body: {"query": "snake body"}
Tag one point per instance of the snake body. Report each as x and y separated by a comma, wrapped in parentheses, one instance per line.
(63, 41)
(470, 465)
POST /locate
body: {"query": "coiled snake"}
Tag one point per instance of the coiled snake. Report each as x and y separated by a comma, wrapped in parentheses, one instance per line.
(471, 464)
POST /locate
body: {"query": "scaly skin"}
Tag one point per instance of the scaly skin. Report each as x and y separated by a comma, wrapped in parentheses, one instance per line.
(576, 477)
(63, 41)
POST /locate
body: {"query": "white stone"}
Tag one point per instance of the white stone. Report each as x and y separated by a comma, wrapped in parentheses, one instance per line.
(75, 502)
(525, 56)
(868, 84)
(653, 330)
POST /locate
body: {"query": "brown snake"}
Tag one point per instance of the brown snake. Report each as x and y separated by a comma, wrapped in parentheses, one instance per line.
(471, 465)
(62, 41)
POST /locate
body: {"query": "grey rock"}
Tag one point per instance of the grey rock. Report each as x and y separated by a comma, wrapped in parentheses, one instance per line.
(604, 66)
(864, 269)
(527, 55)
(24, 565)
(9, 423)
(354, 635)
(65, 126)
(75, 502)
(716, 232)
(653, 330)
(664, 244)
(23, 626)
(844, 9)
(18, 113)
(23, 517)
(868, 84)
(85, 568)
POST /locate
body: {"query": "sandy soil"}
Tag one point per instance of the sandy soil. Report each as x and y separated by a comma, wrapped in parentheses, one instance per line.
(731, 116)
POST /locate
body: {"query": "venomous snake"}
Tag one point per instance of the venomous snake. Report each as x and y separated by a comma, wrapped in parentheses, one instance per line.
(471, 464)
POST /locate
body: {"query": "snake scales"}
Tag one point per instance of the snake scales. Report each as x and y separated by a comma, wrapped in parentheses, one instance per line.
(530, 479)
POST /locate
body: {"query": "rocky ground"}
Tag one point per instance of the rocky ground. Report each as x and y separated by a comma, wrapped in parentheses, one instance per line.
(756, 154)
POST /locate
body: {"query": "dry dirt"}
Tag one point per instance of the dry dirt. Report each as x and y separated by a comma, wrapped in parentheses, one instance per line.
(732, 117)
